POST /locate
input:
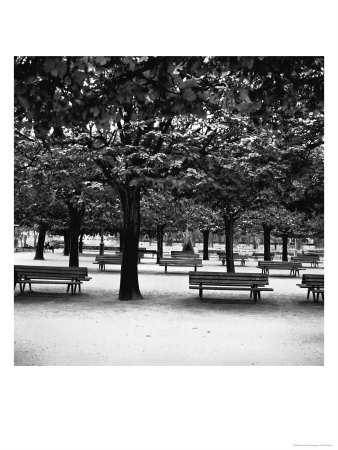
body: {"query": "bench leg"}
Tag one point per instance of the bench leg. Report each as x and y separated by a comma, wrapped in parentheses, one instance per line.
(68, 286)
(195, 268)
(200, 291)
(165, 268)
(223, 261)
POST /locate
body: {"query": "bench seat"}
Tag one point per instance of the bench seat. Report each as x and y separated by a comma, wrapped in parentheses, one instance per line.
(70, 276)
(252, 282)
(180, 262)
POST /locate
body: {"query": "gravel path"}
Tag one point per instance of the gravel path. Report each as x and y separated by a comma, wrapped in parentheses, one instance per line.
(170, 326)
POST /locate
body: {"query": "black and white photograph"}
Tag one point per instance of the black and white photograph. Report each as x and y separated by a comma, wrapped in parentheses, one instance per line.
(169, 185)
(169, 210)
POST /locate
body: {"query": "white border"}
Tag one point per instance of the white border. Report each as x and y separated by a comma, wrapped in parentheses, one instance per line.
(136, 408)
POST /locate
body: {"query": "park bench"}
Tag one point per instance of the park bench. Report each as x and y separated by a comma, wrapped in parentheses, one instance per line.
(180, 262)
(24, 248)
(71, 276)
(311, 259)
(116, 259)
(97, 247)
(293, 266)
(253, 282)
(257, 255)
(236, 257)
(313, 283)
(181, 254)
(144, 251)
(108, 259)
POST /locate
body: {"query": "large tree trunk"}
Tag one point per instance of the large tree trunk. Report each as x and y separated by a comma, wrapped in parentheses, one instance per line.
(159, 233)
(130, 202)
(267, 241)
(285, 247)
(41, 241)
(205, 244)
(229, 243)
(66, 242)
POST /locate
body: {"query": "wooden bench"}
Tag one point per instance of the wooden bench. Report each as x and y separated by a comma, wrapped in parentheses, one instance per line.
(71, 276)
(313, 283)
(236, 257)
(180, 262)
(293, 266)
(108, 259)
(311, 259)
(253, 282)
(115, 259)
(257, 255)
(144, 251)
(181, 254)
(24, 248)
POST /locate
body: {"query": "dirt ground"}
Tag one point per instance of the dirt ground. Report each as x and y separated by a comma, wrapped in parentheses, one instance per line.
(170, 326)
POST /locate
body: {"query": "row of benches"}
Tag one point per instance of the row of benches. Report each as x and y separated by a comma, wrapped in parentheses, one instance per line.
(73, 277)
(180, 259)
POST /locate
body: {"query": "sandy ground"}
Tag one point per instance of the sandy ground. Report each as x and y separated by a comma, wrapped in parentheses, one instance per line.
(170, 326)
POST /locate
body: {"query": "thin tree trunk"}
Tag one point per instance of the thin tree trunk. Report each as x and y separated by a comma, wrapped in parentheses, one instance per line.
(285, 246)
(75, 225)
(159, 233)
(205, 244)
(81, 243)
(267, 241)
(121, 233)
(130, 202)
(41, 241)
(66, 242)
(229, 243)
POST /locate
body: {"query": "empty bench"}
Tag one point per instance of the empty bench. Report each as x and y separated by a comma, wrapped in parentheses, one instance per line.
(180, 262)
(313, 283)
(293, 266)
(257, 255)
(236, 257)
(103, 260)
(252, 282)
(108, 259)
(311, 259)
(71, 276)
(181, 254)
(144, 251)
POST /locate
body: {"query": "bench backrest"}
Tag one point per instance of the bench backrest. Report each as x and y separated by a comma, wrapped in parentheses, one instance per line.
(180, 259)
(305, 258)
(117, 257)
(51, 272)
(180, 254)
(313, 279)
(227, 279)
(223, 254)
(279, 263)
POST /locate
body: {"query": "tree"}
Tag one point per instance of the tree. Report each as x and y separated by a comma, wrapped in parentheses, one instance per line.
(122, 112)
